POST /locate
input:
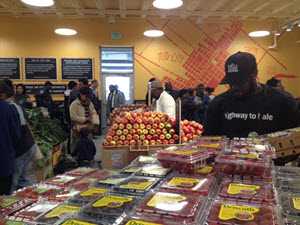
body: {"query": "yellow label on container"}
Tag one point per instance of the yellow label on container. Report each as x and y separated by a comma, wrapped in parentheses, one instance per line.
(112, 181)
(165, 199)
(62, 209)
(76, 222)
(249, 156)
(137, 185)
(183, 182)
(111, 201)
(296, 203)
(140, 222)
(211, 145)
(239, 212)
(132, 170)
(205, 170)
(185, 152)
(235, 188)
(93, 191)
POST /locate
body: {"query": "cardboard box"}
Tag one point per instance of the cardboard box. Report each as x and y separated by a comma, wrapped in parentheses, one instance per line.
(118, 158)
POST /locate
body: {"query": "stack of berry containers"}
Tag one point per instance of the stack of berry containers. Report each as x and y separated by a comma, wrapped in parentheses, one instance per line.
(246, 159)
(290, 207)
(185, 160)
(213, 145)
(171, 207)
(229, 212)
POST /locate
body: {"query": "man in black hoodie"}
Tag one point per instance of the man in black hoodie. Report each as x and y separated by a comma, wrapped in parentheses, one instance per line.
(249, 106)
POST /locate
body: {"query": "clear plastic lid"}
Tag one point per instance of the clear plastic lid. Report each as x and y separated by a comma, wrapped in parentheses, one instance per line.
(189, 184)
(181, 207)
(235, 213)
(88, 195)
(144, 220)
(61, 180)
(81, 171)
(153, 170)
(112, 180)
(247, 190)
(186, 155)
(287, 171)
(290, 204)
(288, 184)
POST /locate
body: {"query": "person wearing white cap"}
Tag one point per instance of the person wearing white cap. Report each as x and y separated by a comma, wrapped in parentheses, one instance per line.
(165, 103)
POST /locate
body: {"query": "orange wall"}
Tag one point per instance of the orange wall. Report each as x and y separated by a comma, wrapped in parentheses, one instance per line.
(189, 54)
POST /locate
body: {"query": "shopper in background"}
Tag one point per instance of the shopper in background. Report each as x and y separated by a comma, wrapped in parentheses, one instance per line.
(209, 93)
(21, 98)
(83, 115)
(72, 86)
(25, 147)
(115, 99)
(44, 98)
(9, 136)
(275, 83)
(94, 87)
(189, 105)
(249, 106)
(147, 97)
(170, 90)
(164, 103)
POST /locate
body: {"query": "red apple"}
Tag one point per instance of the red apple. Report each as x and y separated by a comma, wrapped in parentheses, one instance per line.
(164, 131)
(129, 137)
(168, 136)
(158, 142)
(172, 131)
(152, 131)
(120, 143)
(149, 137)
(119, 132)
(136, 137)
(175, 137)
(172, 141)
(136, 126)
(128, 126)
(142, 126)
(122, 137)
(168, 125)
(139, 131)
(152, 142)
(145, 131)
(184, 139)
(132, 131)
(147, 114)
(139, 120)
(132, 142)
(113, 143)
(115, 126)
(155, 125)
(161, 125)
(156, 120)
(125, 132)
(145, 142)
(116, 138)
(189, 136)
(121, 126)
(109, 138)
(148, 126)
(142, 137)
(151, 120)
(198, 132)
(145, 120)
(165, 142)
(162, 137)
(105, 143)
(158, 131)
(126, 142)
(155, 137)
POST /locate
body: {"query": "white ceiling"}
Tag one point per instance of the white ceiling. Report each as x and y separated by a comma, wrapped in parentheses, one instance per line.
(283, 10)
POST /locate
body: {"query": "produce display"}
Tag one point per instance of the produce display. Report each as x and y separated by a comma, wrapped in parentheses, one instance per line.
(182, 207)
(12, 204)
(127, 108)
(148, 129)
(87, 196)
(235, 213)
(112, 180)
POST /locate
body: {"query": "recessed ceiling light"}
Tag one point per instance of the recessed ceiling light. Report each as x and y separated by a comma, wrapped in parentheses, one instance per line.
(39, 3)
(260, 33)
(65, 31)
(277, 33)
(289, 29)
(153, 33)
(167, 4)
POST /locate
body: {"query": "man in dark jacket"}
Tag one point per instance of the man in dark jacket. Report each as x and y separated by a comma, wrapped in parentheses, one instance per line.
(9, 136)
(249, 106)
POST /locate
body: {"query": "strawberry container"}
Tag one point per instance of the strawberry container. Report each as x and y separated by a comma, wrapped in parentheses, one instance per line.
(109, 207)
(248, 191)
(33, 212)
(290, 204)
(240, 213)
(136, 185)
(183, 160)
(61, 180)
(287, 171)
(81, 171)
(180, 207)
(112, 180)
(213, 145)
(12, 204)
(38, 191)
(57, 213)
(189, 184)
(144, 160)
(83, 184)
(288, 184)
(143, 220)
(88, 195)
(153, 170)
(248, 164)
(78, 221)
(131, 169)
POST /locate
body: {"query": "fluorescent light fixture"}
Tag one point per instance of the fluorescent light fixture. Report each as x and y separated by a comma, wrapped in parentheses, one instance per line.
(260, 33)
(65, 31)
(277, 33)
(167, 4)
(39, 3)
(289, 29)
(153, 33)
(298, 24)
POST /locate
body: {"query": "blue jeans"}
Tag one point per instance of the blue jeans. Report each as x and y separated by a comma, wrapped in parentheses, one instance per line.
(23, 165)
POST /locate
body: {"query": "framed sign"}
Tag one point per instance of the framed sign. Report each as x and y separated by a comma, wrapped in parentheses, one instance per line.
(40, 69)
(10, 68)
(74, 69)
(35, 88)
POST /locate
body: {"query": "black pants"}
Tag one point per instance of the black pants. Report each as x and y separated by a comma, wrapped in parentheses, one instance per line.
(5, 185)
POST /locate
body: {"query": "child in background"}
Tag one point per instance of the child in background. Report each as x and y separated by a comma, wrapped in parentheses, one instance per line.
(85, 149)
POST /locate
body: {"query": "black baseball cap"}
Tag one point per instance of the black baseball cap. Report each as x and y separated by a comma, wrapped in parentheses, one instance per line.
(239, 67)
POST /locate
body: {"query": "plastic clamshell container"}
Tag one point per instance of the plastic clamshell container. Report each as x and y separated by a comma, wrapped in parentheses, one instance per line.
(78, 221)
(57, 213)
(109, 207)
(291, 220)
(236, 213)
(88, 196)
(207, 170)
(183, 160)
(12, 204)
(211, 144)
(81, 171)
(136, 185)
(183, 208)
(287, 171)
(38, 191)
(140, 220)
(290, 204)
(61, 180)
(83, 184)
(131, 169)
(32, 212)
(112, 181)
(288, 184)
(63, 196)
(249, 191)
(153, 170)
(251, 164)
(189, 184)
(144, 160)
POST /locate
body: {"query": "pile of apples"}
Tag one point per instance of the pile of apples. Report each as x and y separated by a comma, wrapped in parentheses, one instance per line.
(127, 108)
(190, 130)
(148, 129)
